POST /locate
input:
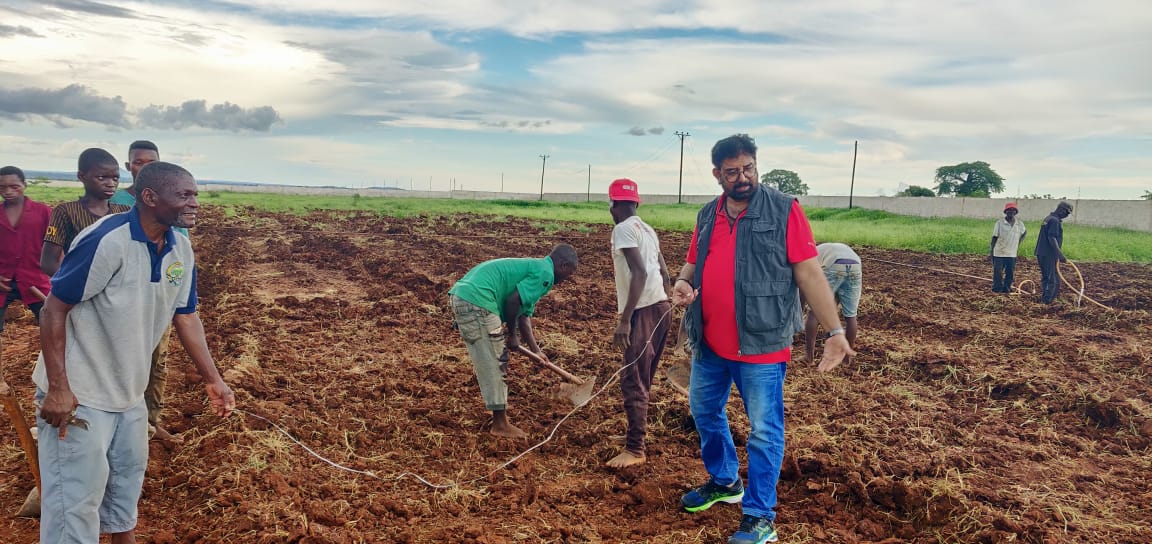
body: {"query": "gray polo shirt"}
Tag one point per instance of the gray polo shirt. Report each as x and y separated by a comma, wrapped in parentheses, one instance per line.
(124, 293)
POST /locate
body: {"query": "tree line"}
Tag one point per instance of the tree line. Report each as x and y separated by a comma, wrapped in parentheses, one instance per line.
(967, 179)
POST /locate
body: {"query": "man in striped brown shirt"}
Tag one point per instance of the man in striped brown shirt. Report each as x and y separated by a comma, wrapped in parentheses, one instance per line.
(98, 170)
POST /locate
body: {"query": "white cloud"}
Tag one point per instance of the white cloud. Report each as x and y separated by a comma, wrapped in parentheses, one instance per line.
(1021, 84)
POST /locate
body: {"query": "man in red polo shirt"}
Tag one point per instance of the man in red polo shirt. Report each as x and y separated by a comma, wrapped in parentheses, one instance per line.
(750, 258)
(21, 236)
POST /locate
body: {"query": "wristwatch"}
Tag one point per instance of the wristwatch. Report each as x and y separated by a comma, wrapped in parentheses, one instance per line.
(834, 332)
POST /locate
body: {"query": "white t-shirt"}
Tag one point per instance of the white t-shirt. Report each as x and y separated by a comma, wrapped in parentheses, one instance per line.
(634, 232)
(829, 252)
(1007, 238)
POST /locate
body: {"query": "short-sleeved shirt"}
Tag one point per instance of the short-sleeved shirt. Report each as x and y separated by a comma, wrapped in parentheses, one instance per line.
(20, 247)
(830, 252)
(1007, 237)
(635, 233)
(69, 218)
(125, 197)
(489, 283)
(124, 293)
(718, 298)
(1051, 228)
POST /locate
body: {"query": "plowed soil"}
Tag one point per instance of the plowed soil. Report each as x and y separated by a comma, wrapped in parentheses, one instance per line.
(968, 416)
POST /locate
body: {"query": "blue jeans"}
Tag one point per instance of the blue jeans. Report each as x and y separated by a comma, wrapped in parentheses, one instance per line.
(846, 282)
(762, 388)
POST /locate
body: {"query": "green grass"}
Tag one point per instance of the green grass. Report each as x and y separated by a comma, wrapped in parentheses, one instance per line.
(857, 227)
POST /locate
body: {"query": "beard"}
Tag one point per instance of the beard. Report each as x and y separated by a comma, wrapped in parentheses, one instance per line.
(737, 193)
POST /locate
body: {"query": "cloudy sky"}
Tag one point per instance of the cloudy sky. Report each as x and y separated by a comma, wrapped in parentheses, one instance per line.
(1055, 94)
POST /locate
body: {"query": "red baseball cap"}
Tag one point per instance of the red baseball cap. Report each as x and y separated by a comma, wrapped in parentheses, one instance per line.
(1010, 206)
(624, 189)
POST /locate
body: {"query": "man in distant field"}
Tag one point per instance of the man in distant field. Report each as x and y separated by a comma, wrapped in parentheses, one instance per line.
(644, 313)
(1049, 251)
(845, 276)
(124, 280)
(141, 153)
(498, 292)
(1006, 237)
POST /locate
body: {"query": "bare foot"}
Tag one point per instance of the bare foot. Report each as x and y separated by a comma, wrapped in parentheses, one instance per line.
(158, 433)
(508, 430)
(626, 459)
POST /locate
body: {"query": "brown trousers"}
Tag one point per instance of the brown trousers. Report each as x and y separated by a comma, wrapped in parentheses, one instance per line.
(157, 379)
(650, 326)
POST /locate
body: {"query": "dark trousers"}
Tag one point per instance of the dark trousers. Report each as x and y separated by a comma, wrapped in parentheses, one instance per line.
(649, 330)
(1003, 274)
(1049, 279)
(14, 295)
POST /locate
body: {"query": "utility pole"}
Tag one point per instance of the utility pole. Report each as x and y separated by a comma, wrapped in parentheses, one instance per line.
(852, 187)
(680, 191)
(589, 183)
(545, 157)
(501, 182)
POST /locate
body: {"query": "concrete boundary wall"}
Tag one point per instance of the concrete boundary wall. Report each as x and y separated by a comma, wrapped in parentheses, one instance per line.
(1125, 214)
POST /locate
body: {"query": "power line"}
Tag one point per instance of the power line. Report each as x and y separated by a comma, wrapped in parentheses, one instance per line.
(630, 168)
(700, 172)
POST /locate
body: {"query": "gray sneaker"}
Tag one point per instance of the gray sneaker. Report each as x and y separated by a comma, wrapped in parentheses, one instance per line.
(754, 530)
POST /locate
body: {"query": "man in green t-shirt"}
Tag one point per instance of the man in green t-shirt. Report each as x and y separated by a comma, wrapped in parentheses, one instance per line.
(498, 292)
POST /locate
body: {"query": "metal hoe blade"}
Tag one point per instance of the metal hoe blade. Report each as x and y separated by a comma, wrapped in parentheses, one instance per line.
(577, 390)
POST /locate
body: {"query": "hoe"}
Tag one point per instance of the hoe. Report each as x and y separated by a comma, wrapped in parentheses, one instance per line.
(576, 390)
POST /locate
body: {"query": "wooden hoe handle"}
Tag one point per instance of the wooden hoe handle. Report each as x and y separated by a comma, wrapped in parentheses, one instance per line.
(550, 366)
(14, 412)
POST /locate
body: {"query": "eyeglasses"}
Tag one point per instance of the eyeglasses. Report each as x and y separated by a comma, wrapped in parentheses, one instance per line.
(733, 175)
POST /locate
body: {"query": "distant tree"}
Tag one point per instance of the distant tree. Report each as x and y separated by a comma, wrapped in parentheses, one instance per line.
(916, 190)
(786, 181)
(1147, 195)
(975, 179)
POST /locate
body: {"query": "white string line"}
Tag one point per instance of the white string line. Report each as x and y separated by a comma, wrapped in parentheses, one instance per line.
(610, 381)
(306, 448)
(424, 481)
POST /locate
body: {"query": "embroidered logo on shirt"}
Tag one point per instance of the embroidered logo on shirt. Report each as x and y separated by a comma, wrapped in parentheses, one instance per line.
(175, 273)
(51, 230)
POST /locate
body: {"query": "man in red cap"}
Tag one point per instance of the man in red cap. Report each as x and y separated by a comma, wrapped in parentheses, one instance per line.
(1006, 238)
(645, 313)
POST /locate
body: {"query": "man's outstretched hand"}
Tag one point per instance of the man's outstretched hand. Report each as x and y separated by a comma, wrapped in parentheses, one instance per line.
(836, 349)
(221, 397)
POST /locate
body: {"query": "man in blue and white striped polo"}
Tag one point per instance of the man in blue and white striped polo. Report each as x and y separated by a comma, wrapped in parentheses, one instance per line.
(125, 279)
